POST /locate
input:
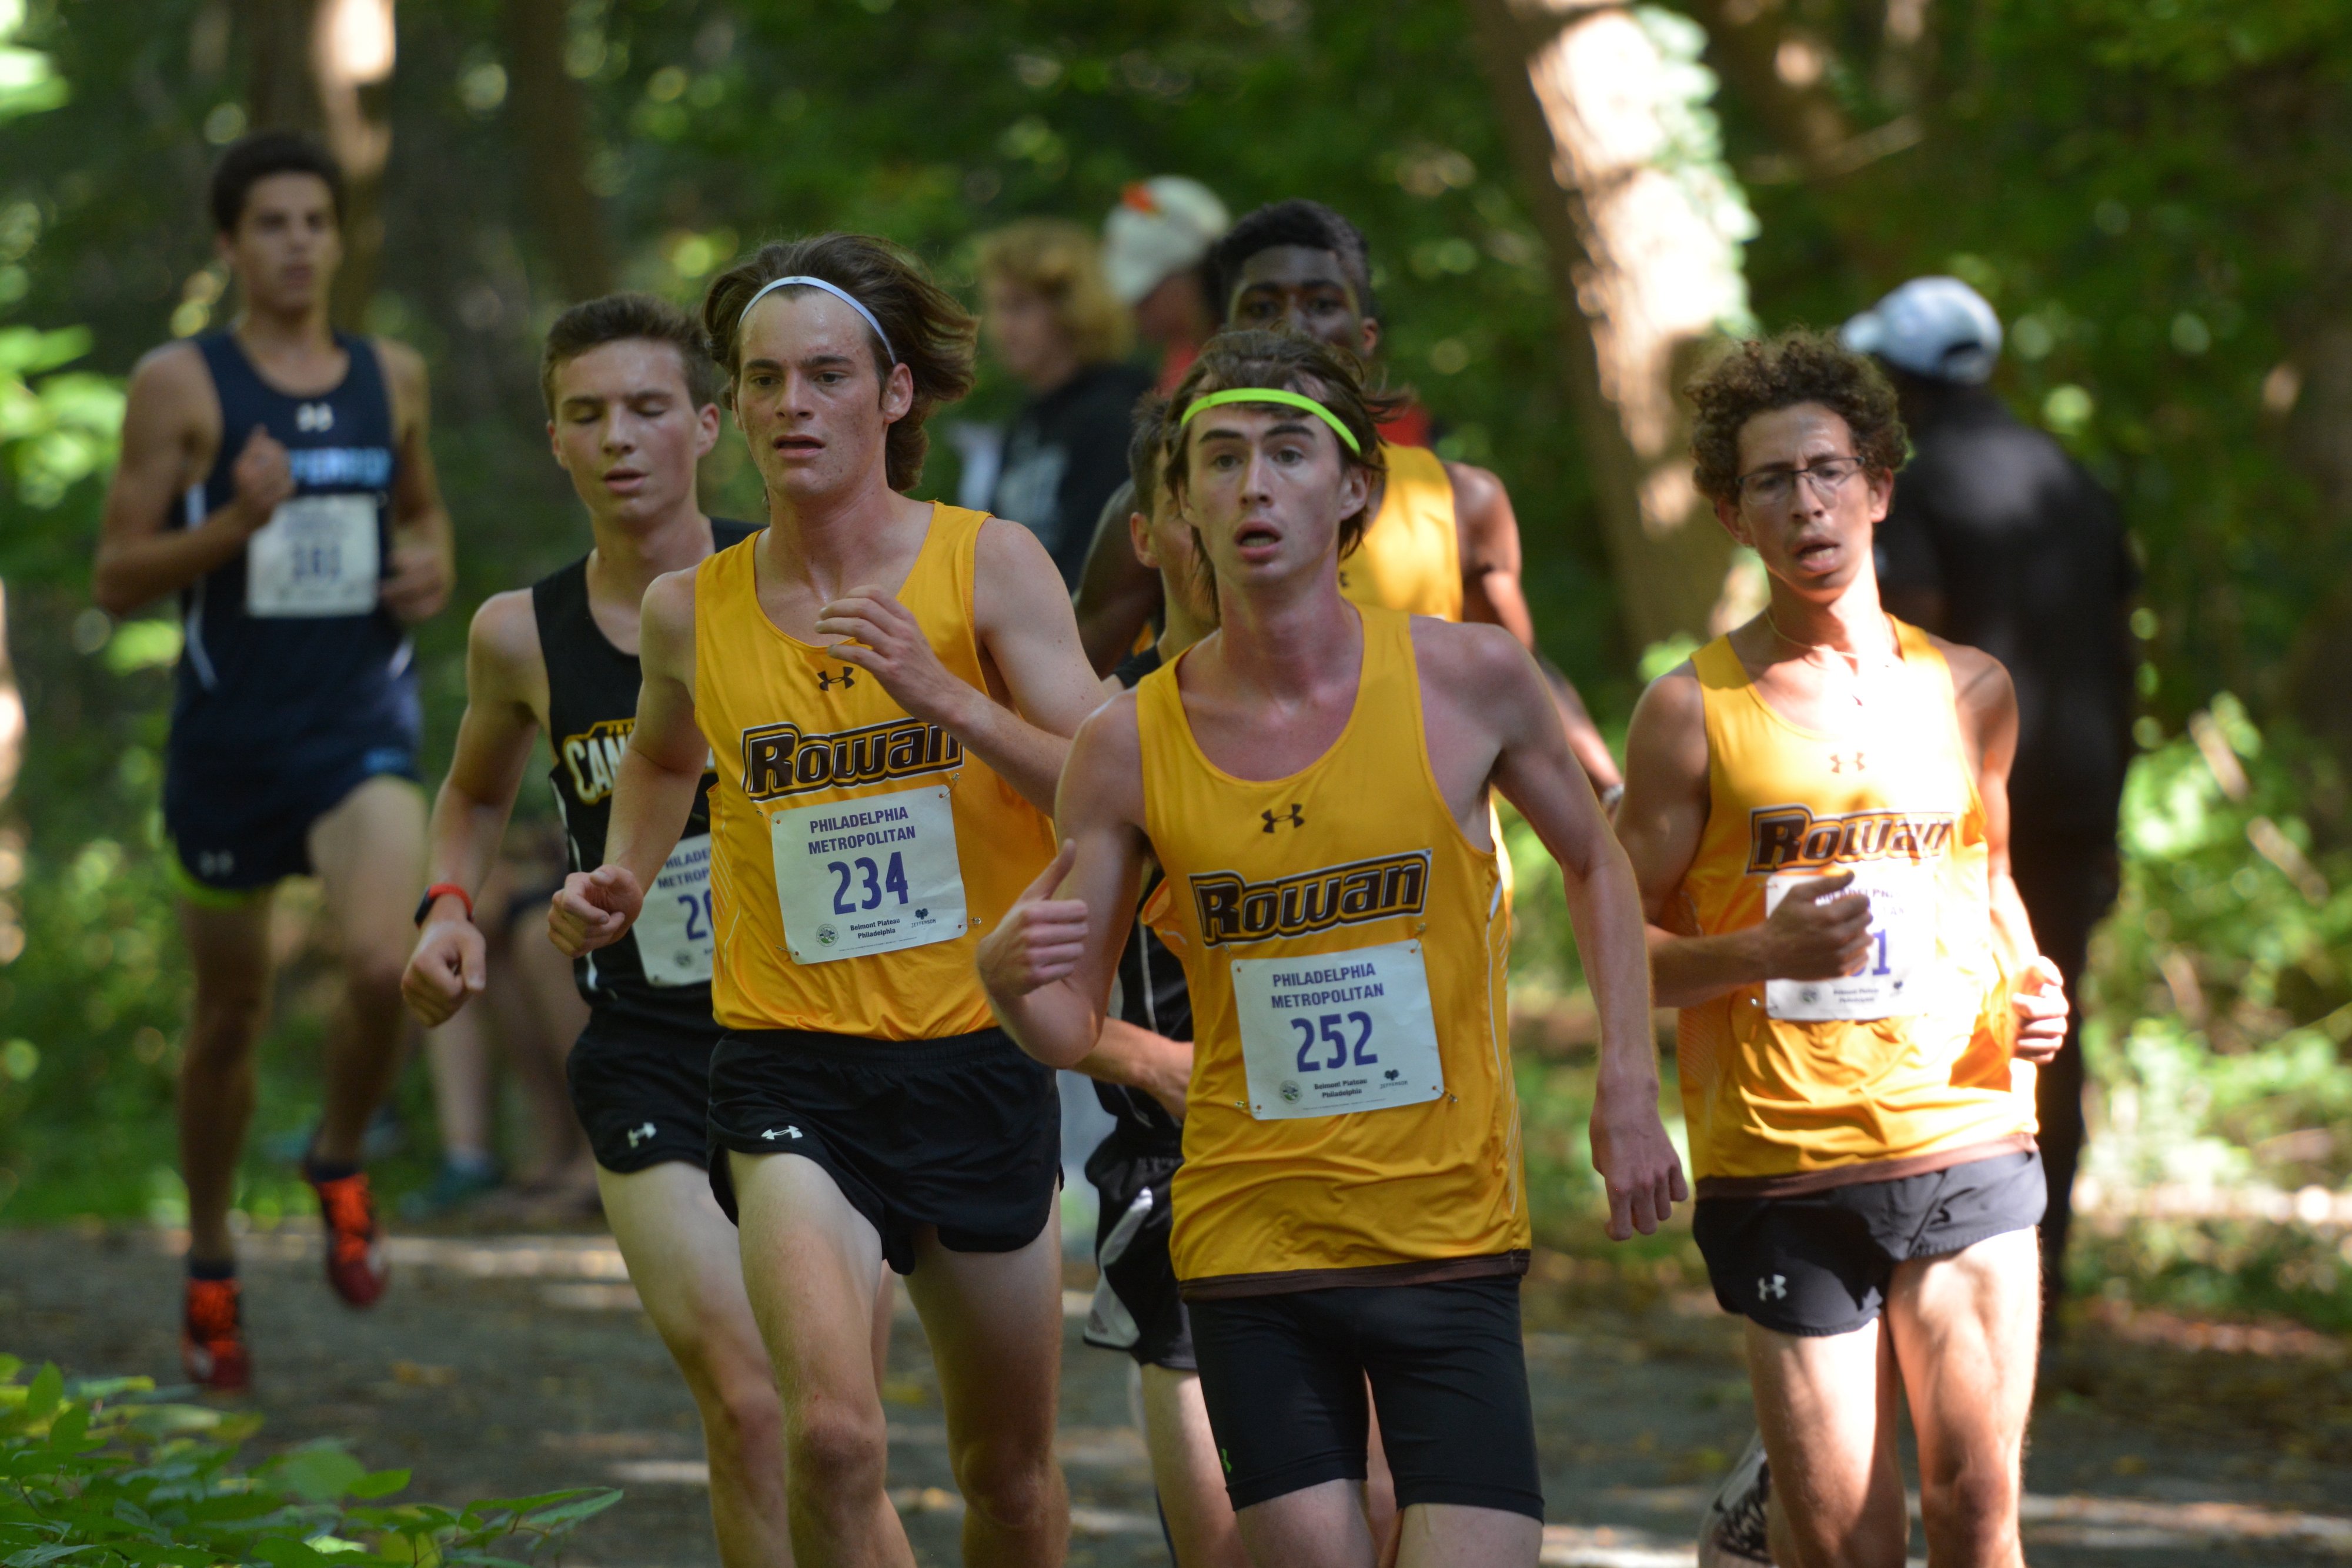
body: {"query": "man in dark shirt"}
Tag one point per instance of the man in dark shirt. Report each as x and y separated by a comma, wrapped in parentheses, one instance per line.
(1999, 540)
(1052, 320)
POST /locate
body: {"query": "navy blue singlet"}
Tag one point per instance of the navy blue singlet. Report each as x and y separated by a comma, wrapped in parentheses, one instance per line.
(296, 684)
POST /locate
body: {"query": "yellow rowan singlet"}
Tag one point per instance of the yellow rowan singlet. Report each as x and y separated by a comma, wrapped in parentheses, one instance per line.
(1411, 555)
(1792, 1086)
(856, 852)
(1351, 1106)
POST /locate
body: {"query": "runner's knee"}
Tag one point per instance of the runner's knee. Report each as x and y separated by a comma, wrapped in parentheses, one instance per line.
(838, 1453)
(1010, 1483)
(1974, 1496)
(374, 971)
(224, 1024)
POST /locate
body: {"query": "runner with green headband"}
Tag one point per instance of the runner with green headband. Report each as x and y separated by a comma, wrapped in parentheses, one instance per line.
(1275, 394)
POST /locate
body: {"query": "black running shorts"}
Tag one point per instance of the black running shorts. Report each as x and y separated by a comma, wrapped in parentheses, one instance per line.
(1819, 1263)
(1284, 1377)
(643, 1092)
(1137, 1308)
(962, 1133)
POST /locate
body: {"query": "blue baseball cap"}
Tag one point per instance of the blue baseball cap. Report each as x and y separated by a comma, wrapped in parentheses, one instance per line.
(1934, 327)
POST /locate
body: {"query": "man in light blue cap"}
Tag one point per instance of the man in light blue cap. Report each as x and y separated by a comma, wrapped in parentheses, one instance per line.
(1999, 540)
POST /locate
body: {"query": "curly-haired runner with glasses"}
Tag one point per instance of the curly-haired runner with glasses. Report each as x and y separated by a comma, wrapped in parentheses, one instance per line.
(1816, 806)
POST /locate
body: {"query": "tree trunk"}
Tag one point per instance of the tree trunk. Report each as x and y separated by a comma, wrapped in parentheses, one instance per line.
(1643, 278)
(550, 121)
(320, 67)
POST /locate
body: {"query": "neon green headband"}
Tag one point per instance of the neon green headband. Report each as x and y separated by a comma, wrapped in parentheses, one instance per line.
(1275, 394)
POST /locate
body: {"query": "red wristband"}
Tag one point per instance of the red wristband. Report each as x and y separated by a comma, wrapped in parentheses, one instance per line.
(433, 894)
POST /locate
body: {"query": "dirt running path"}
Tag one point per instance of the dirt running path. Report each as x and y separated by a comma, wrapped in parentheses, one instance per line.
(519, 1364)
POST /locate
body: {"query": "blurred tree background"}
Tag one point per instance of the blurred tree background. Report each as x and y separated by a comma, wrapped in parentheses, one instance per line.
(2156, 195)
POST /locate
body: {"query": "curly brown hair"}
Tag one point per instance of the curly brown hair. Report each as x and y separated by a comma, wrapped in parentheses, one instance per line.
(1289, 362)
(1780, 371)
(932, 334)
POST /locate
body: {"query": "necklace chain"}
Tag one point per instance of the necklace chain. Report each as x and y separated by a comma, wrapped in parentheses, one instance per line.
(1852, 660)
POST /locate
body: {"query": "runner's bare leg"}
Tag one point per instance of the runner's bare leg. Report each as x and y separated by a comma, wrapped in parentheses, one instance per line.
(370, 856)
(1966, 1329)
(995, 1321)
(1827, 1406)
(813, 1269)
(228, 946)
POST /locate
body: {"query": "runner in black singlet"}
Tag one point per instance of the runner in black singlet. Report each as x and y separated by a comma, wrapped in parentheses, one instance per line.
(276, 478)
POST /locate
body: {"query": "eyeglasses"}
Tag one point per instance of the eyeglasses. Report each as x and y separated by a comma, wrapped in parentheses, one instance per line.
(1774, 487)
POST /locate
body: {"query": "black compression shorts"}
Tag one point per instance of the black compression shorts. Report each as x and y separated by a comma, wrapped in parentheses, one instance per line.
(1819, 1262)
(642, 1093)
(962, 1133)
(1284, 1378)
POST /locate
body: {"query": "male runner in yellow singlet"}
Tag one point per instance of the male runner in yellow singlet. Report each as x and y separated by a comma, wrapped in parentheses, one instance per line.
(1443, 539)
(1312, 782)
(884, 685)
(631, 407)
(1816, 806)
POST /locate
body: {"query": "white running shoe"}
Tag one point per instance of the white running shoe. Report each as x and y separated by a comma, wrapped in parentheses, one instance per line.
(1732, 1532)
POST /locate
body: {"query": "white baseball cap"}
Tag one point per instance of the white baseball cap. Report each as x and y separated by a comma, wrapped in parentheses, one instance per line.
(1933, 327)
(1160, 227)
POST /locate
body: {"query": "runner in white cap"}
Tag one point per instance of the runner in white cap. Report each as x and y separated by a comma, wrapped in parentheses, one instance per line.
(1154, 243)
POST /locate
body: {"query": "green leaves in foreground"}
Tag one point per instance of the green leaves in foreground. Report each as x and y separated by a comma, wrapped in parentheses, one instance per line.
(99, 1473)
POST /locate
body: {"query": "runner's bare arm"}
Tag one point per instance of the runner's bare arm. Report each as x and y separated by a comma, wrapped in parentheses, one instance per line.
(1117, 594)
(171, 425)
(1660, 821)
(1987, 704)
(423, 569)
(1488, 530)
(1027, 639)
(1131, 1055)
(1490, 677)
(1048, 964)
(653, 789)
(506, 703)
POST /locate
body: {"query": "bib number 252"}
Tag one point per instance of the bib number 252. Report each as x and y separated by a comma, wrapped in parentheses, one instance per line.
(1330, 1030)
(862, 884)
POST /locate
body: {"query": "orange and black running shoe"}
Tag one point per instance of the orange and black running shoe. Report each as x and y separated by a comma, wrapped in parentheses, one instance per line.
(212, 1338)
(355, 1265)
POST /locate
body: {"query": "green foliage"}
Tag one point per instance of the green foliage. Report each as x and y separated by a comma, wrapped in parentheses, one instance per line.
(2152, 195)
(103, 1473)
(2222, 1004)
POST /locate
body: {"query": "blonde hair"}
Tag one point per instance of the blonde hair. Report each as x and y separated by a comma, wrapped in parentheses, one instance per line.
(1061, 261)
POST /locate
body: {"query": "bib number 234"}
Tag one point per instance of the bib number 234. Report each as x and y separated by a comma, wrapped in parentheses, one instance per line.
(872, 875)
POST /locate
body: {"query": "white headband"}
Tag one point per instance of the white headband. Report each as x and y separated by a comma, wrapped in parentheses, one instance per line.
(833, 288)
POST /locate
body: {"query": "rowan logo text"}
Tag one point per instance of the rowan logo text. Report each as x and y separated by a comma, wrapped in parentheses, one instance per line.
(1233, 910)
(778, 761)
(1786, 837)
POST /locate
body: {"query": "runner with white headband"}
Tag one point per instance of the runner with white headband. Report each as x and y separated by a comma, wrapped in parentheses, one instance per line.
(838, 292)
(876, 809)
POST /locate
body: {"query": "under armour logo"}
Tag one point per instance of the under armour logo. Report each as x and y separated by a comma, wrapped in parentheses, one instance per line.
(1294, 818)
(772, 1133)
(1846, 762)
(216, 863)
(1775, 1287)
(639, 1135)
(314, 416)
(826, 679)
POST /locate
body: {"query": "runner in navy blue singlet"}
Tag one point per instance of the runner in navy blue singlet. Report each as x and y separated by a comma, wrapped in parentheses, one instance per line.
(275, 478)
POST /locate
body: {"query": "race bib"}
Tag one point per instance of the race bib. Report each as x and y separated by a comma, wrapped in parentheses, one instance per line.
(868, 875)
(674, 933)
(1337, 1033)
(1894, 978)
(316, 555)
